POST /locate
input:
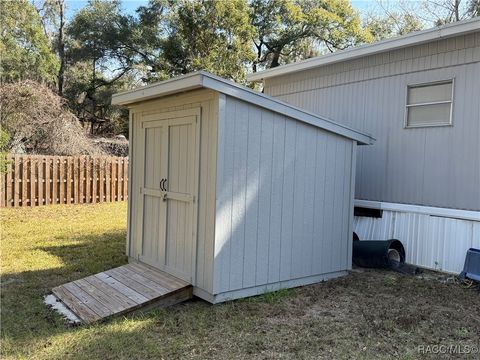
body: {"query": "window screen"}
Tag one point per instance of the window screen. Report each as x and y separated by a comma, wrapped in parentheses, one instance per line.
(429, 104)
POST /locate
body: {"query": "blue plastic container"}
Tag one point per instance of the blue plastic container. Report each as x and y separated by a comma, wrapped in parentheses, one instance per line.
(471, 269)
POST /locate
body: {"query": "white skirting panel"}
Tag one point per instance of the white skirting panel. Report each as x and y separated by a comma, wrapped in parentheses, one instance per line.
(433, 242)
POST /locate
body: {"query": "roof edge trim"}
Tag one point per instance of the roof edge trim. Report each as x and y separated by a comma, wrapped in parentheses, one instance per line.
(206, 80)
(415, 38)
(163, 88)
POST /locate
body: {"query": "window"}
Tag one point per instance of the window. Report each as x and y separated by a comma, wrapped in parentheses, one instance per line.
(429, 104)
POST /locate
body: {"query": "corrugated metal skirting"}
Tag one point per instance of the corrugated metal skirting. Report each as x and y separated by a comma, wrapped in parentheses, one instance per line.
(432, 242)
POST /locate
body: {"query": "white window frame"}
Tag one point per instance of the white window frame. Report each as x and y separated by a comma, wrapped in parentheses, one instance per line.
(438, 82)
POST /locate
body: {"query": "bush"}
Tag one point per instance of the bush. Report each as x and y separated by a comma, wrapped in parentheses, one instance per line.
(37, 121)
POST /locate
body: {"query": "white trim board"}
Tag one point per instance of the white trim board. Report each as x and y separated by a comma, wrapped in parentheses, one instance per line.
(415, 38)
(204, 79)
(419, 209)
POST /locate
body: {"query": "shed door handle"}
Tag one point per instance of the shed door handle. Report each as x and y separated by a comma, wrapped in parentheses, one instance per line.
(163, 184)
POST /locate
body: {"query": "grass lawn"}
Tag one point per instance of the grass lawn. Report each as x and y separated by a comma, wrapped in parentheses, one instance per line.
(368, 314)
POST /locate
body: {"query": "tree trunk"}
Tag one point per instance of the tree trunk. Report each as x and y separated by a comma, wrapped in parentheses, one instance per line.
(94, 103)
(457, 6)
(259, 57)
(61, 47)
(276, 58)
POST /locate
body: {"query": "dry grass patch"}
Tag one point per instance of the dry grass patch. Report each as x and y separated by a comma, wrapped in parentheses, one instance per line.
(366, 315)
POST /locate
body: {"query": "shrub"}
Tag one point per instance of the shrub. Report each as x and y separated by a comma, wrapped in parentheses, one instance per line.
(37, 121)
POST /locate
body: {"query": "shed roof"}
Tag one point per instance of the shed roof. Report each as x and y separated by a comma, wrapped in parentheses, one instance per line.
(414, 38)
(206, 80)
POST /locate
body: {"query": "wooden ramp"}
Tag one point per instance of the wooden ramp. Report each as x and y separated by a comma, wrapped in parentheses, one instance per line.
(120, 291)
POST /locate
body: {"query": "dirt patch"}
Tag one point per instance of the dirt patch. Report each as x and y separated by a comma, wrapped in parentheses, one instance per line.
(381, 314)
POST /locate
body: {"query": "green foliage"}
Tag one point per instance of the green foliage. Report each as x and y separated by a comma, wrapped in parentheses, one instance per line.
(24, 47)
(283, 25)
(81, 97)
(104, 51)
(208, 35)
(4, 140)
(394, 24)
(100, 33)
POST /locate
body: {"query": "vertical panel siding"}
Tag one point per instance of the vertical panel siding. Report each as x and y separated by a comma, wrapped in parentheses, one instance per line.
(290, 218)
(417, 58)
(319, 213)
(251, 200)
(264, 196)
(289, 169)
(301, 152)
(239, 187)
(225, 191)
(369, 94)
(208, 102)
(278, 157)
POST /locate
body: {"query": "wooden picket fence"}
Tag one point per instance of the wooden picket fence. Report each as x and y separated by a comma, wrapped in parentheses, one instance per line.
(33, 180)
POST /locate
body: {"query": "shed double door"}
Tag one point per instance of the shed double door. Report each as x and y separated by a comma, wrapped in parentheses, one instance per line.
(169, 190)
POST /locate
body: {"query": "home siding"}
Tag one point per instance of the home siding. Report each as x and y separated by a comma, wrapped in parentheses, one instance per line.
(284, 199)
(207, 101)
(436, 166)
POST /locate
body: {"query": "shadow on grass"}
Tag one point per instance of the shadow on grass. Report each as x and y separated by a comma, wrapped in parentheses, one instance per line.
(28, 325)
(24, 316)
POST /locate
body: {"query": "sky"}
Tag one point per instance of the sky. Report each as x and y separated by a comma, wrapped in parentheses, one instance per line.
(128, 5)
(131, 5)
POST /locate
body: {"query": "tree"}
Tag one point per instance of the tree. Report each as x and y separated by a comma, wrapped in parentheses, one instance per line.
(473, 9)
(448, 11)
(105, 39)
(101, 35)
(152, 30)
(208, 35)
(24, 47)
(441, 12)
(393, 24)
(52, 15)
(283, 25)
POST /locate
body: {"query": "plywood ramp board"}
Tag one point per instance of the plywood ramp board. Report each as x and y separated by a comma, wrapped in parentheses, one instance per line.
(120, 291)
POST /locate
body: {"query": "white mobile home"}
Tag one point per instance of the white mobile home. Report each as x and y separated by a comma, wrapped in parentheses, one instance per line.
(419, 96)
(236, 192)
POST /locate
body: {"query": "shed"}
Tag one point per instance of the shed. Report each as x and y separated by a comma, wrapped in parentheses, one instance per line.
(236, 192)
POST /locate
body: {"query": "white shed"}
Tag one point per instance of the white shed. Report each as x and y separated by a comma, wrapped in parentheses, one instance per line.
(234, 191)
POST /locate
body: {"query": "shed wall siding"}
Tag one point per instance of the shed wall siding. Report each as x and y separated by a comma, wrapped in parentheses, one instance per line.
(208, 102)
(283, 199)
(437, 166)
